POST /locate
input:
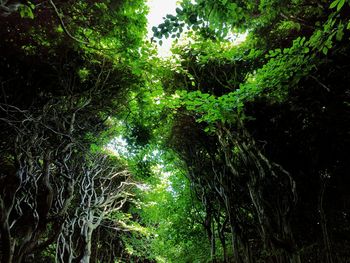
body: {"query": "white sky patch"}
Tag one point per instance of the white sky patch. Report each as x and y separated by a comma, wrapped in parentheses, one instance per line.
(118, 146)
(157, 10)
(237, 39)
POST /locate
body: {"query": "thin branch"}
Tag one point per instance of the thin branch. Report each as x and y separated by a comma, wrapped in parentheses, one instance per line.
(64, 26)
(320, 83)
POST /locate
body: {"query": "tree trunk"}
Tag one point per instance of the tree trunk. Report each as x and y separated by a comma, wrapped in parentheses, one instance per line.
(87, 244)
(221, 233)
(7, 247)
(213, 245)
(323, 220)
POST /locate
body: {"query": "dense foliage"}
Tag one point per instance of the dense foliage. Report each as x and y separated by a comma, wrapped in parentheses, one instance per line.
(64, 70)
(225, 152)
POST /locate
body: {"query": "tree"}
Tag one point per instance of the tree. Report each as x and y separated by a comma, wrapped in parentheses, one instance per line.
(60, 82)
(247, 160)
(230, 152)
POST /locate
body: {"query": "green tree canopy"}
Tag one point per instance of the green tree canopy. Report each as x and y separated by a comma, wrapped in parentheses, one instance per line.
(228, 151)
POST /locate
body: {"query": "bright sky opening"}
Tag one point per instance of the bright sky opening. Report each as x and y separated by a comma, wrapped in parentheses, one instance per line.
(157, 10)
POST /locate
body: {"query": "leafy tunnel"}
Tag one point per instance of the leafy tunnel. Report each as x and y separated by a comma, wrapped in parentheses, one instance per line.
(233, 147)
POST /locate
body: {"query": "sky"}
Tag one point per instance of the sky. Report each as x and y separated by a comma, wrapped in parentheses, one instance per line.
(158, 10)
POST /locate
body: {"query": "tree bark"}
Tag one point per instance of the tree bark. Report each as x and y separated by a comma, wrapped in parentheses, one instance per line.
(323, 219)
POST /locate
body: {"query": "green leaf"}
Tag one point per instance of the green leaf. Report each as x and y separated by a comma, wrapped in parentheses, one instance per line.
(325, 50)
(334, 4)
(178, 11)
(26, 11)
(340, 34)
(340, 4)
